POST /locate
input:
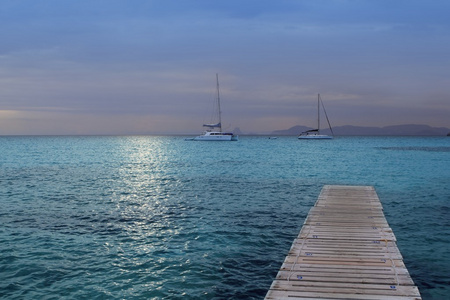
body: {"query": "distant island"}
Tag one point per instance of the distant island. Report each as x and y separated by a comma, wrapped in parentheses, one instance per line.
(395, 130)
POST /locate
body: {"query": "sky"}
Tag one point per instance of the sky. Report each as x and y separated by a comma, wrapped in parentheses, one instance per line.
(149, 67)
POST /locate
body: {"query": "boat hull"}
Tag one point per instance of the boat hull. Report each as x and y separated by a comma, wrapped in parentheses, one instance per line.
(214, 136)
(315, 137)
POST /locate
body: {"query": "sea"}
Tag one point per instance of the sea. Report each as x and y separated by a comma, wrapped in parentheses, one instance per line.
(158, 217)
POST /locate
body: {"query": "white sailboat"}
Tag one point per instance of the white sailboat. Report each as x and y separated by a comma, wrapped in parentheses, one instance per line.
(315, 133)
(213, 132)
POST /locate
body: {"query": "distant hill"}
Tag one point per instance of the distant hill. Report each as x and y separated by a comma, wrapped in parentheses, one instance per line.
(396, 130)
(237, 131)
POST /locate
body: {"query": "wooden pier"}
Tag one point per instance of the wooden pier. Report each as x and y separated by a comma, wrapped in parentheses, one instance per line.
(345, 250)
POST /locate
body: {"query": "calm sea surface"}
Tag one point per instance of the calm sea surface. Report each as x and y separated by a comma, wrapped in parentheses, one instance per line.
(163, 218)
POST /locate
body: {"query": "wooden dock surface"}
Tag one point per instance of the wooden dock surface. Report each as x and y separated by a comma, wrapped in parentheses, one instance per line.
(345, 250)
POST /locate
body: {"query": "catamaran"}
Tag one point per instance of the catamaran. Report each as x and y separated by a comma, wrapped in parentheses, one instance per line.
(315, 133)
(213, 132)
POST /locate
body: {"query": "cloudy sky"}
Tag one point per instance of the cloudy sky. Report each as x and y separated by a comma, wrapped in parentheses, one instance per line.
(149, 67)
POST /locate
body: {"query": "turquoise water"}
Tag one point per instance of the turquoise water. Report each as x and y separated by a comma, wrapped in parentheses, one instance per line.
(164, 218)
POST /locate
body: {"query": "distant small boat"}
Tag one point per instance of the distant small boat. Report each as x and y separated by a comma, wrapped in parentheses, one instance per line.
(211, 133)
(272, 138)
(315, 133)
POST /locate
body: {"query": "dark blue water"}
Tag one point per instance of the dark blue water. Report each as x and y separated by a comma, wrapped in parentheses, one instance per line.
(164, 218)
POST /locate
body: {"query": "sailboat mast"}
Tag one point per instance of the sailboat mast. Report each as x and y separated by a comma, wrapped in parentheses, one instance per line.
(318, 113)
(218, 103)
(326, 115)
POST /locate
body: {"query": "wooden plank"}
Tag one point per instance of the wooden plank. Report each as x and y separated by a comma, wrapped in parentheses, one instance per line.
(344, 269)
(341, 261)
(346, 288)
(367, 277)
(345, 250)
(283, 295)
